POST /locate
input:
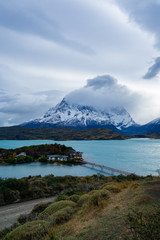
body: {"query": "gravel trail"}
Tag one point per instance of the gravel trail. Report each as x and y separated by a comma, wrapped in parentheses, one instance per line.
(10, 213)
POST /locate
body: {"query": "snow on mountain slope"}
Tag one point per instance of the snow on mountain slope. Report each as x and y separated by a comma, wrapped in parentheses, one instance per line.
(77, 116)
(155, 121)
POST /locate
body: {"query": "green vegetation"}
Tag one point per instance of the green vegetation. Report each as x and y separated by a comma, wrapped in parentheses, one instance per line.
(14, 190)
(35, 153)
(117, 207)
(31, 230)
(55, 209)
(144, 225)
(59, 134)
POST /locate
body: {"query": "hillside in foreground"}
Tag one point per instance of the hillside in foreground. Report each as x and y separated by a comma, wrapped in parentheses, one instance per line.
(94, 208)
(59, 134)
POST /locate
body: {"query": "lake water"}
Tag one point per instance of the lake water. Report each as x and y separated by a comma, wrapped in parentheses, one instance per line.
(140, 156)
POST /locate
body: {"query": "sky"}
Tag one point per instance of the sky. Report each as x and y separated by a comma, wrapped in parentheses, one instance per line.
(98, 52)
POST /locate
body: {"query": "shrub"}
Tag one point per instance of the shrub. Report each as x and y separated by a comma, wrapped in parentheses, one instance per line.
(29, 231)
(131, 177)
(53, 208)
(144, 225)
(111, 188)
(63, 215)
(145, 199)
(22, 218)
(6, 230)
(94, 198)
(74, 198)
(42, 158)
(1, 199)
(98, 196)
(40, 207)
(61, 197)
(83, 199)
(135, 185)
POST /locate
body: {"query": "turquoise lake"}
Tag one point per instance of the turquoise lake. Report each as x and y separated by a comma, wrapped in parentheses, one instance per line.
(139, 156)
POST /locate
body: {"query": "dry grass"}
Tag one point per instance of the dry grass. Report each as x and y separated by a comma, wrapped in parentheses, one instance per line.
(101, 214)
(29, 231)
(91, 223)
(107, 222)
(57, 206)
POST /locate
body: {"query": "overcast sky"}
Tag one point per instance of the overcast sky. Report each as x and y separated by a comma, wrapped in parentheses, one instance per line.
(49, 49)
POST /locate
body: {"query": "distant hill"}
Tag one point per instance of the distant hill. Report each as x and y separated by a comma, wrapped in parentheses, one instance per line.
(151, 128)
(23, 133)
(155, 135)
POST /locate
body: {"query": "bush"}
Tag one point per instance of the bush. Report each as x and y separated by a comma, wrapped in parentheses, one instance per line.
(144, 225)
(98, 196)
(40, 207)
(131, 177)
(111, 188)
(145, 199)
(42, 158)
(83, 199)
(74, 198)
(22, 218)
(94, 198)
(13, 189)
(135, 185)
(53, 208)
(29, 231)
(6, 230)
(61, 197)
(62, 215)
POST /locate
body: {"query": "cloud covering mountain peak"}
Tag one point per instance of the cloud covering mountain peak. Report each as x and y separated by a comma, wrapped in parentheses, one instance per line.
(104, 92)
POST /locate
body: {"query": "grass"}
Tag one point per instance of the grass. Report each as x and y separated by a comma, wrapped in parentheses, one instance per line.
(110, 212)
(35, 230)
(62, 215)
(57, 206)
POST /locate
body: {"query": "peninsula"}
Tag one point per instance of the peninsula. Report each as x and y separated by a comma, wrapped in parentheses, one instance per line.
(47, 153)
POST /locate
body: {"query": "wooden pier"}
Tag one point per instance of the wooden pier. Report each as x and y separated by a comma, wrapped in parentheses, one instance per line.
(103, 168)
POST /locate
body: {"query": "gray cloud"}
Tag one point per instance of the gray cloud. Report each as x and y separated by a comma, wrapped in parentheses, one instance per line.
(22, 107)
(39, 23)
(147, 15)
(153, 70)
(54, 44)
(105, 81)
(104, 92)
(76, 36)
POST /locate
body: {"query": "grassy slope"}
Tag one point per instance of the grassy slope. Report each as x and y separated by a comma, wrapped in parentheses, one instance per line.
(22, 133)
(104, 218)
(109, 221)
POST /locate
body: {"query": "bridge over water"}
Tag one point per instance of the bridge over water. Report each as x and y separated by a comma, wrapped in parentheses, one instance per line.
(103, 168)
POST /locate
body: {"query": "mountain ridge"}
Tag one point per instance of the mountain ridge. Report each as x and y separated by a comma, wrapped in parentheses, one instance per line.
(77, 116)
(58, 134)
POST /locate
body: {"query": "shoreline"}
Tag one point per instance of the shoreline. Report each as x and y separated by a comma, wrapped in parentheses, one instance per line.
(48, 163)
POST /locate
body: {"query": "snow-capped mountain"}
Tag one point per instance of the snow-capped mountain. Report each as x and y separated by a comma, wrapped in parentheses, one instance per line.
(81, 117)
(151, 127)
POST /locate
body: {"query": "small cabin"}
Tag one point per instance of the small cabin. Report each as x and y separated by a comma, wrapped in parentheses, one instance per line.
(75, 154)
(22, 154)
(57, 157)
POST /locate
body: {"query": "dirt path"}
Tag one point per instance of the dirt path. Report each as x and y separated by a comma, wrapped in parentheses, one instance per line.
(10, 213)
